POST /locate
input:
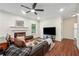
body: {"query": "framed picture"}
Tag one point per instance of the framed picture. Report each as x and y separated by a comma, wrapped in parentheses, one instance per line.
(33, 28)
(19, 23)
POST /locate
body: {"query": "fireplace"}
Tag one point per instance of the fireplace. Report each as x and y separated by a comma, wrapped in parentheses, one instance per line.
(18, 31)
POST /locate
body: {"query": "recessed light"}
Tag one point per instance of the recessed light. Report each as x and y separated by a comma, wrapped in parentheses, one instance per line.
(32, 10)
(61, 10)
(23, 12)
(73, 15)
(38, 18)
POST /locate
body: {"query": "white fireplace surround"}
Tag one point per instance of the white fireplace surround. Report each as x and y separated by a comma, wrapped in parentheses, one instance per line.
(18, 29)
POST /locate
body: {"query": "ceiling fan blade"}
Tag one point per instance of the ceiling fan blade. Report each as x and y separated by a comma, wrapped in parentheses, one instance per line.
(39, 9)
(35, 13)
(34, 5)
(27, 11)
(25, 7)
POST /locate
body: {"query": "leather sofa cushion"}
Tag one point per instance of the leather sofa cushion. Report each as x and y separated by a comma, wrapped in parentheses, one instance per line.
(28, 37)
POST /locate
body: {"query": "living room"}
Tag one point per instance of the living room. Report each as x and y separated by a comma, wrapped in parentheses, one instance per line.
(16, 18)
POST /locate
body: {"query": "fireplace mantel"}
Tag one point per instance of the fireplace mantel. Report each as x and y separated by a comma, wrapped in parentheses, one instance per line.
(18, 28)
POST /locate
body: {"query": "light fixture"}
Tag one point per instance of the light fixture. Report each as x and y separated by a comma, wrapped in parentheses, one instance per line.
(23, 12)
(61, 10)
(32, 10)
(73, 15)
(38, 18)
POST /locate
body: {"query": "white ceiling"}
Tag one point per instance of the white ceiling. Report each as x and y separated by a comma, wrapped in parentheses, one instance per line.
(51, 10)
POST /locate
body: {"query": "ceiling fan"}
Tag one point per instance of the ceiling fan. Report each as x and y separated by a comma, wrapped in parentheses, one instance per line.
(33, 9)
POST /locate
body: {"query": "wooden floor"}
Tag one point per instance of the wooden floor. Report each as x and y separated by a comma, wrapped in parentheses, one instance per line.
(66, 47)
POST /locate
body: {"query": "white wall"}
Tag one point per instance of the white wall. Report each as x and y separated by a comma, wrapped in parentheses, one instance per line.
(68, 27)
(52, 23)
(78, 32)
(7, 20)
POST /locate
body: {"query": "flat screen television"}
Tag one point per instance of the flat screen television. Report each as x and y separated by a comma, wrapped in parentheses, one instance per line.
(49, 30)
